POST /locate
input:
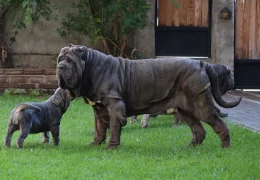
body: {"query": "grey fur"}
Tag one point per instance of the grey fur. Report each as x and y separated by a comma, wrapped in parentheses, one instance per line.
(31, 118)
(125, 88)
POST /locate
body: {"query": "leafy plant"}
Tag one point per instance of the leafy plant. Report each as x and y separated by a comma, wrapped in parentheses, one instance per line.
(17, 91)
(27, 11)
(34, 92)
(13, 92)
(111, 22)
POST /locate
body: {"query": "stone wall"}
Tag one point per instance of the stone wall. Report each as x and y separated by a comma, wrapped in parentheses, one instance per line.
(21, 78)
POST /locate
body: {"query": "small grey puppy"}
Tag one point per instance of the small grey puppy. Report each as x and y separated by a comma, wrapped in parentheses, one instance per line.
(32, 118)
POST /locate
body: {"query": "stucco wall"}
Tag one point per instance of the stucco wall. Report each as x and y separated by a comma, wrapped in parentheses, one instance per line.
(39, 44)
(222, 34)
(144, 39)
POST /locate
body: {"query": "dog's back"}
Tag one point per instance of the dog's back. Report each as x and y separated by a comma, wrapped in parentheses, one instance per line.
(30, 113)
(21, 111)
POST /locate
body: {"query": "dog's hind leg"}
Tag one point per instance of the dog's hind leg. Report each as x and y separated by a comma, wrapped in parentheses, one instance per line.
(220, 128)
(25, 128)
(10, 130)
(144, 120)
(45, 137)
(206, 112)
(197, 129)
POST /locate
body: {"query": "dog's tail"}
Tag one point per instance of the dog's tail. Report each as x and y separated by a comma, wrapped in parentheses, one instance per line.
(21, 107)
(213, 78)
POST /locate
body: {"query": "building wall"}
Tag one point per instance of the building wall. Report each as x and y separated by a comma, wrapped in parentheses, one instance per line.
(222, 34)
(222, 46)
(144, 39)
(38, 45)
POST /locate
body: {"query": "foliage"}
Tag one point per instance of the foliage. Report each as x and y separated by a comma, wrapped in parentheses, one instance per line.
(159, 152)
(34, 92)
(27, 11)
(110, 21)
(13, 92)
(17, 92)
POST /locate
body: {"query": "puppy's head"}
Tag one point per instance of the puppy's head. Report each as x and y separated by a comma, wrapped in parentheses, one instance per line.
(62, 99)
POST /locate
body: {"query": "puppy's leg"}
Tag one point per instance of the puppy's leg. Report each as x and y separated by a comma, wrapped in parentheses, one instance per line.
(197, 129)
(116, 109)
(55, 132)
(10, 130)
(144, 120)
(45, 137)
(101, 123)
(25, 127)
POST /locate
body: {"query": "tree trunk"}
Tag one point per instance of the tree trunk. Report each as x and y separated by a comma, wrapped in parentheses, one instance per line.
(5, 59)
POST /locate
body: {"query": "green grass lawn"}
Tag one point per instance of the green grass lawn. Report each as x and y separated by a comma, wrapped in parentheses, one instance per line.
(159, 152)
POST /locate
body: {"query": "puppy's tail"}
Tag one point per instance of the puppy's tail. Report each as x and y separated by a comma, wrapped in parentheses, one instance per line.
(21, 107)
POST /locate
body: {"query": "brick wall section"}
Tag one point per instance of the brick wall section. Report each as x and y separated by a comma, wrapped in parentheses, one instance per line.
(28, 79)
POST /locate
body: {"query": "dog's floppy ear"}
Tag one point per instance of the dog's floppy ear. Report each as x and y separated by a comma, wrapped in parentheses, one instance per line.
(57, 98)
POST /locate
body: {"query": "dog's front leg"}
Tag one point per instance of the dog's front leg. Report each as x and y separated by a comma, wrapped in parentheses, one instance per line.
(55, 132)
(102, 121)
(116, 109)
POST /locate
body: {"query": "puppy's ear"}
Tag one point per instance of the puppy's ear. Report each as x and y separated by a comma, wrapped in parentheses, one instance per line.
(57, 98)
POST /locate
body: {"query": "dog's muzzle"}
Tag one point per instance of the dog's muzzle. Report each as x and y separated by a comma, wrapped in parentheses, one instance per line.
(59, 78)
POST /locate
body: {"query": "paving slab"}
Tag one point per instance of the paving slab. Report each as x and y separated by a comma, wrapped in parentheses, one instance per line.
(246, 114)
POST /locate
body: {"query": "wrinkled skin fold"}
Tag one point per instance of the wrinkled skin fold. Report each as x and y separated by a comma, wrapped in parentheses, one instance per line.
(119, 88)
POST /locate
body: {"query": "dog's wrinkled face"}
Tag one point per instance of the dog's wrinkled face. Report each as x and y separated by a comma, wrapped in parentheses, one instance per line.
(70, 67)
(62, 99)
(225, 78)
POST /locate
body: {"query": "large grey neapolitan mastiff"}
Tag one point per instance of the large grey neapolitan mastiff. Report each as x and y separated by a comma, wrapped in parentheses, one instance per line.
(118, 88)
